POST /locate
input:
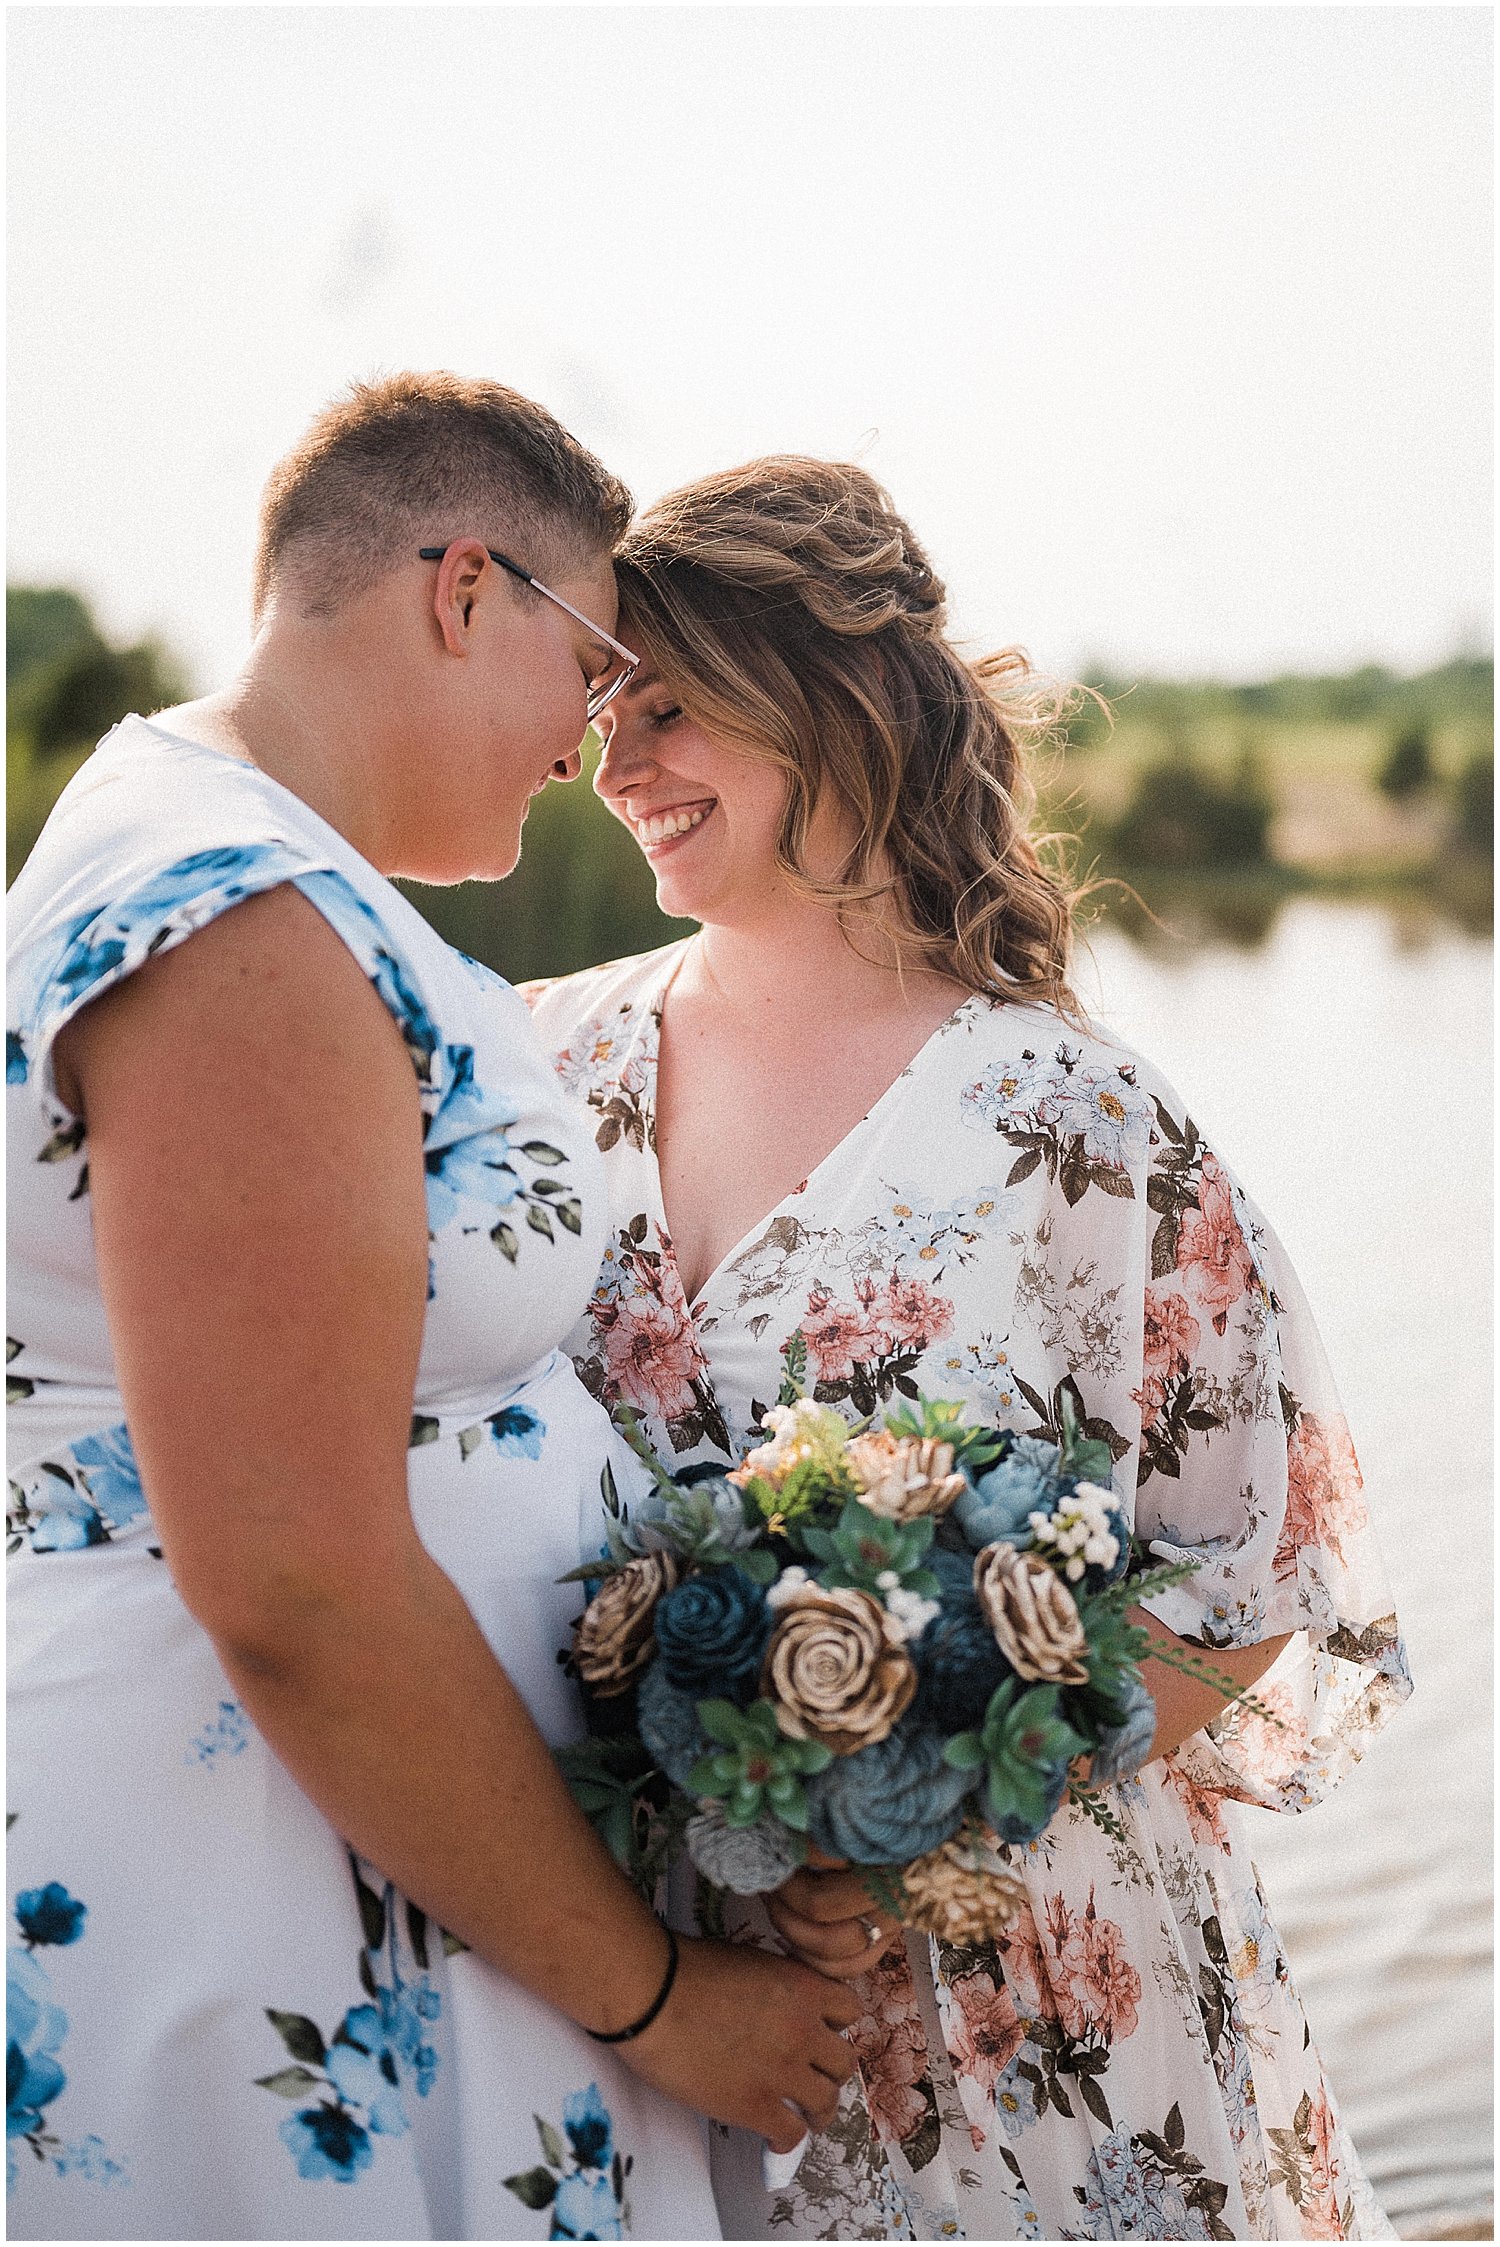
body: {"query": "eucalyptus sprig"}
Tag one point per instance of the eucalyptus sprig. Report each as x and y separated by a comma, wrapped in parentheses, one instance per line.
(1086, 1458)
(794, 1378)
(628, 1421)
(1091, 1802)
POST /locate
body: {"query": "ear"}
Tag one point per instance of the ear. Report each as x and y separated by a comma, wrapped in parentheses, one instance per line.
(460, 576)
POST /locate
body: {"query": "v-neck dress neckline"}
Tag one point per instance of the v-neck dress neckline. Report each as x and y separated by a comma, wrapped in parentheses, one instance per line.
(649, 1055)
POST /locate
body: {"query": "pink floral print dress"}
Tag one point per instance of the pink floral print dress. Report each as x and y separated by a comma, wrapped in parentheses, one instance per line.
(1028, 1213)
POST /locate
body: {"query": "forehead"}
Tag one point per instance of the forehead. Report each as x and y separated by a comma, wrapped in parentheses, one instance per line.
(590, 586)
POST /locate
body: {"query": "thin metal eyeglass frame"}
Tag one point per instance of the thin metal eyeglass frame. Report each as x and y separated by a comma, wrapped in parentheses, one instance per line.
(594, 702)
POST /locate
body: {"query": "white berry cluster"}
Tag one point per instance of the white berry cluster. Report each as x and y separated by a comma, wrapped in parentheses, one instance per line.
(907, 1614)
(1078, 1536)
(787, 1586)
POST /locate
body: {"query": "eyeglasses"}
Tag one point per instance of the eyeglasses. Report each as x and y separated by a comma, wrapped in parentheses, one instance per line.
(601, 691)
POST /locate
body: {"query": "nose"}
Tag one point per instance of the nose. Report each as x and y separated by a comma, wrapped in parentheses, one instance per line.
(626, 757)
(570, 766)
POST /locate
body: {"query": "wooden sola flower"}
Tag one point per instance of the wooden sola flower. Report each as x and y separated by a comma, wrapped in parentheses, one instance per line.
(950, 1893)
(615, 1636)
(1032, 1614)
(832, 1670)
(903, 1477)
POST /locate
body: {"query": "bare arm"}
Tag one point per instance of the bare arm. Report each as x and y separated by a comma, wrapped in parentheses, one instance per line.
(824, 1914)
(260, 1226)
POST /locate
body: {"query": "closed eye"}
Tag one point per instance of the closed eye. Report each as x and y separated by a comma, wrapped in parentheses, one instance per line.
(662, 718)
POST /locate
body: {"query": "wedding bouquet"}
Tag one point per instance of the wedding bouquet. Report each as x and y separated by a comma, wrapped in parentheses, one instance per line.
(894, 1642)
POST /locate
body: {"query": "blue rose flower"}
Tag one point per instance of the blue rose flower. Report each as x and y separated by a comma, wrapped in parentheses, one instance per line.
(959, 1663)
(1125, 1746)
(668, 1722)
(711, 1634)
(890, 1802)
(585, 2208)
(63, 1518)
(34, 2029)
(1026, 1481)
(113, 1478)
(16, 1068)
(326, 2142)
(586, 2120)
(517, 1431)
(50, 1914)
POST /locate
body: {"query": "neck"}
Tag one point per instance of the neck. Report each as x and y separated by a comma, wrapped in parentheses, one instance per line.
(299, 711)
(799, 954)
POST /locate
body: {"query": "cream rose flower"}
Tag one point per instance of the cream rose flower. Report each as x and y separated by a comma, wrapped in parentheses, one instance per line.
(613, 1638)
(903, 1477)
(1032, 1614)
(833, 1672)
(950, 1894)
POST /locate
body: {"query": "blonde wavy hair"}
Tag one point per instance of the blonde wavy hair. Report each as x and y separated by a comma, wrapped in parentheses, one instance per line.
(793, 612)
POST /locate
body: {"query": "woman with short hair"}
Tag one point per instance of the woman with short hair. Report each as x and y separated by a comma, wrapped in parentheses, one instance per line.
(309, 1938)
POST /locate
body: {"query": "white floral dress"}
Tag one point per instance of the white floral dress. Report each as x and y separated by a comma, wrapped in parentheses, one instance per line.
(1027, 1214)
(220, 2025)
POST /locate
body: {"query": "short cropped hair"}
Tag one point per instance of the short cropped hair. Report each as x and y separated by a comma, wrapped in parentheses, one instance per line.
(412, 460)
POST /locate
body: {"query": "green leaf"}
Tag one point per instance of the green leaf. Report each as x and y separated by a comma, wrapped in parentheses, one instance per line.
(288, 2083)
(505, 1240)
(302, 2037)
(813, 1756)
(538, 1151)
(552, 2145)
(758, 1564)
(570, 1215)
(820, 1544)
(722, 1721)
(538, 1220)
(704, 1777)
(743, 1807)
(469, 1441)
(536, 2188)
(965, 1752)
(424, 1429)
(795, 1813)
(416, 1928)
(453, 1944)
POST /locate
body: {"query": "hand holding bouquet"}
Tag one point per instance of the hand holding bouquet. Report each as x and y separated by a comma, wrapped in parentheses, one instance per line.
(894, 1642)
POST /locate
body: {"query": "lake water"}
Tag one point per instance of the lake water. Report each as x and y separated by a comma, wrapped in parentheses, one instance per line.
(1343, 1068)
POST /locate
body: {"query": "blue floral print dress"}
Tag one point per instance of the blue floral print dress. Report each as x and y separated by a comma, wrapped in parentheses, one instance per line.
(1027, 1215)
(221, 2025)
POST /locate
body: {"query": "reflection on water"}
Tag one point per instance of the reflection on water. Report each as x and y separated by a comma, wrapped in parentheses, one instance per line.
(1343, 1068)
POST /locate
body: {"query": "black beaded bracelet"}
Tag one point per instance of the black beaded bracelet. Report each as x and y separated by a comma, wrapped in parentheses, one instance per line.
(638, 2028)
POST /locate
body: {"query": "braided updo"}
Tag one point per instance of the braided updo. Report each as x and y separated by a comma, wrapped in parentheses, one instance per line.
(794, 613)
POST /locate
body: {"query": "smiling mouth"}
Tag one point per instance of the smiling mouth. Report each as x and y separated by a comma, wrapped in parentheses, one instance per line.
(662, 828)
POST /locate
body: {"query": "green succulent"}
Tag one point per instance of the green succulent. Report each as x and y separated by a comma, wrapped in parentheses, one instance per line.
(1024, 1748)
(865, 1547)
(758, 1770)
(939, 1420)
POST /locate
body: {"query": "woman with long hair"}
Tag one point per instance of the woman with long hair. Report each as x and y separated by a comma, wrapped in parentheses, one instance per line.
(863, 1103)
(309, 1939)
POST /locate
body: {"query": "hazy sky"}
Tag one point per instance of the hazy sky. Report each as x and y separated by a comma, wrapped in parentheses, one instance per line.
(1168, 327)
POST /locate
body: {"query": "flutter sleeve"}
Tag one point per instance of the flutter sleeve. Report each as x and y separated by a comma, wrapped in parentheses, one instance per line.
(82, 954)
(1245, 1467)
